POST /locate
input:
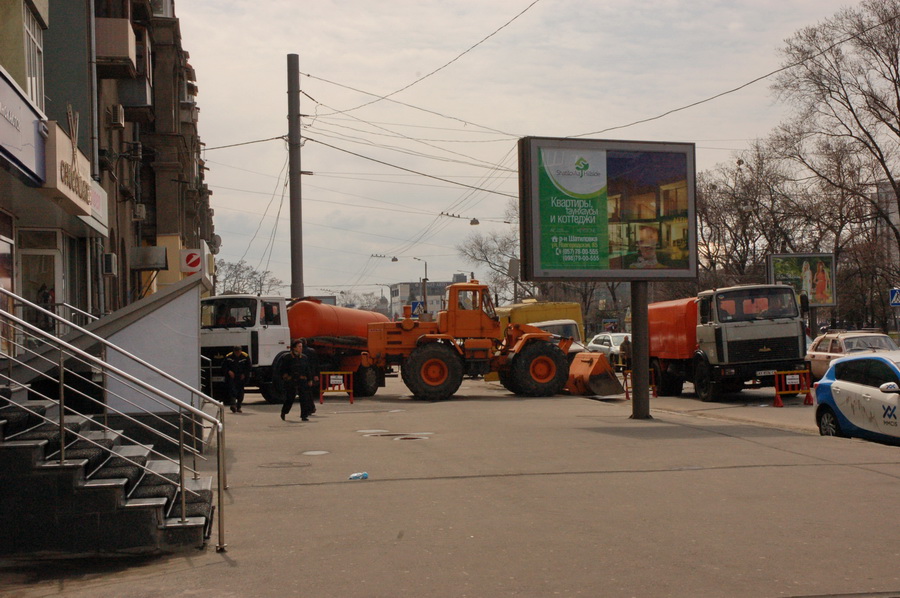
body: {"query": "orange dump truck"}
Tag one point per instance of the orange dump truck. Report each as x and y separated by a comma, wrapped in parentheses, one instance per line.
(723, 338)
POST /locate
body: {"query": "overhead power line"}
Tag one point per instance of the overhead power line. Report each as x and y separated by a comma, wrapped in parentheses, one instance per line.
(408, 169)
(440, 68)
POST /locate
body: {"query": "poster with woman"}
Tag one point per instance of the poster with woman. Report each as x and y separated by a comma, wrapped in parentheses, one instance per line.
(810, 274)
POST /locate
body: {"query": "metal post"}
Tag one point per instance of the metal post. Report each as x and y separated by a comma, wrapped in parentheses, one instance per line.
(640, 347)
(181, 464)
(220, 447)
(62, 407)
(294, 139)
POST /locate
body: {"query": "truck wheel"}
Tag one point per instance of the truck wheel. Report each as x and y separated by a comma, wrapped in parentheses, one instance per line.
(271, 393)
(706, 389)
(667, 385)
(540, 370)
(433, 372)
(365, 382)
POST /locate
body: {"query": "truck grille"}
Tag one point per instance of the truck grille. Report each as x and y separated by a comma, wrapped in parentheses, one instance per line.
(787, 347)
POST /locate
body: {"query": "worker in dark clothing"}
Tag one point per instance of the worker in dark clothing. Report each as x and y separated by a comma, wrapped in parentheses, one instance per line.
(297, 376)
(236, 368)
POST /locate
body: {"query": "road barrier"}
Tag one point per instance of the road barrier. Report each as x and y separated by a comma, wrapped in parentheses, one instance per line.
(793, 382)
(331, 382)
(626, 375)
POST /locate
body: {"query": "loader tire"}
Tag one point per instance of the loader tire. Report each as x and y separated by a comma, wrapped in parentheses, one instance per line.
(271, 392)
(365, 382)
(433, 372)
(540, 370)
(508, 382)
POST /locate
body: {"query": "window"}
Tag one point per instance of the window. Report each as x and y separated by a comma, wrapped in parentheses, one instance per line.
(34, 57)
(271, 314)
(879, 373)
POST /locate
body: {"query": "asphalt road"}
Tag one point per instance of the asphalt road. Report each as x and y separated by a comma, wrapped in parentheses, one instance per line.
(488, 494)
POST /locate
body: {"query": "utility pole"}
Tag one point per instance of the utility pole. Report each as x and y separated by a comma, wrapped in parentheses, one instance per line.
(293, 76)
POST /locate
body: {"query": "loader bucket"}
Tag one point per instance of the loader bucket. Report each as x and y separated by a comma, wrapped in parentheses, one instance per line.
(590, 374)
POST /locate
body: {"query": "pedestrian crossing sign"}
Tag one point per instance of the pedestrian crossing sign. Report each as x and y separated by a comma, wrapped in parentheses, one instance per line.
(895, 297)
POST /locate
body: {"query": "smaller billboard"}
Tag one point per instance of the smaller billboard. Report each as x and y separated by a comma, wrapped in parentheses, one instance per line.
(810, 274)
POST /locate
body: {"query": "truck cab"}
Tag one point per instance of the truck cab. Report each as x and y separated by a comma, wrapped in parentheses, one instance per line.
(259, 324)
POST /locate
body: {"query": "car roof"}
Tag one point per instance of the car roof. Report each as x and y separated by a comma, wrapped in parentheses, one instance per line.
(849, 334)
(893, 356)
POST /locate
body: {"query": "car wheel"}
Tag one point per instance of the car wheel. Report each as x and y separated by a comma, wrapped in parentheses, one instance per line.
(828, 423)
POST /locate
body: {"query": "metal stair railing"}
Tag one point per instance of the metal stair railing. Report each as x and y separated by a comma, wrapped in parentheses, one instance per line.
(17, 327)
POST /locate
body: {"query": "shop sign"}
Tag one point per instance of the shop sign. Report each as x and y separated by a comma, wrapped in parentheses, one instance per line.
(21, 142)
(68, 170)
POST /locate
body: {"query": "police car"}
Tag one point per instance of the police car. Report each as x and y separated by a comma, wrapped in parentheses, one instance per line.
(858, 397)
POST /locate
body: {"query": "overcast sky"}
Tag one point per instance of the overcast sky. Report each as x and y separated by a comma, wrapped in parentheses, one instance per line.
(470, 77)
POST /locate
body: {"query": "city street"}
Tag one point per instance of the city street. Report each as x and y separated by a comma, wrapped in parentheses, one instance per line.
(488, 494)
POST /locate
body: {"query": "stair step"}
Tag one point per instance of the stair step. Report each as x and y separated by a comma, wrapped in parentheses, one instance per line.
(19, 419)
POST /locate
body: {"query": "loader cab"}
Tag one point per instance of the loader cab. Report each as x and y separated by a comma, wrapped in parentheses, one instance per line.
(470, 312)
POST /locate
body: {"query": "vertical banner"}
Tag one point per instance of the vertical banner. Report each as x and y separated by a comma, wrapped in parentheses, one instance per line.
(573, 217)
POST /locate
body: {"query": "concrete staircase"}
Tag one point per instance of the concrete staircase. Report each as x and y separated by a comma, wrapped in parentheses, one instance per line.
(107, 496)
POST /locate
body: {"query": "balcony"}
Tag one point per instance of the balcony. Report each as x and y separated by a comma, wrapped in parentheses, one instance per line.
(116, 49)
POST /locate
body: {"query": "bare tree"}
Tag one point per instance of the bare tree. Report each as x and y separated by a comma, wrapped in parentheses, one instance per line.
(240, 277)
(845, 86)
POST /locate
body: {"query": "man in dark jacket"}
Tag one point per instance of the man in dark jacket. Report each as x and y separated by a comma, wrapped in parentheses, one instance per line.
(236, 368)
(297, 376)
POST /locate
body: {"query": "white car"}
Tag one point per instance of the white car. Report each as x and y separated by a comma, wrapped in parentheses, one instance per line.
(608, 343)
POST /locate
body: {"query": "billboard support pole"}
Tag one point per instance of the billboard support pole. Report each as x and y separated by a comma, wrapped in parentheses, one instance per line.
(640, 347)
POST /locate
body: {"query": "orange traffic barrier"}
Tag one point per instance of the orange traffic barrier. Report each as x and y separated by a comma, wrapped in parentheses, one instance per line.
(626, 375)
(330, 382)
(793, 382)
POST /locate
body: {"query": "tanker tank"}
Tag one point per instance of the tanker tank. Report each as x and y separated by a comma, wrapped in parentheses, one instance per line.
(312, 318)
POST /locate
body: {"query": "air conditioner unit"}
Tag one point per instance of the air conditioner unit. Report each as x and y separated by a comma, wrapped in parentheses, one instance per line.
(117, 116)
(109, 264)
(140, 212)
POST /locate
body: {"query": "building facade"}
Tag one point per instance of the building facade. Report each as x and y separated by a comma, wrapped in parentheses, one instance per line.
(102, 194)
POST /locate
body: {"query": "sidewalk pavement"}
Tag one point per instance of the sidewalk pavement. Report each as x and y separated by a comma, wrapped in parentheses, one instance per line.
(488, 494)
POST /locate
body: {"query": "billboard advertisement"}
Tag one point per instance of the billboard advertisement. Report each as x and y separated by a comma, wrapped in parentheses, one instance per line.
(810, 274)
(606, 210)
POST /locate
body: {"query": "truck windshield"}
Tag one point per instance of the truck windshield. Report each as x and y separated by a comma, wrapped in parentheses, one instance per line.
(756, 304)
(225, 312)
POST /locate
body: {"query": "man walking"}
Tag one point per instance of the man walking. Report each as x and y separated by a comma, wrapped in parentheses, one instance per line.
(236, 367)
(297, 376)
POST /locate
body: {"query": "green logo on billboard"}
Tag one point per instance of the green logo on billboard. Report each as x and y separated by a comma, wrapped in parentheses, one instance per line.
(581, 165)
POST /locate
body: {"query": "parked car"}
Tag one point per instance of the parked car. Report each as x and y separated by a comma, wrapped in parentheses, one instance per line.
(608, 343)
(836, 344)
(858, 397)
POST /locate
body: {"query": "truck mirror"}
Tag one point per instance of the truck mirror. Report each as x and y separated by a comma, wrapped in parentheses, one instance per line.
(804, 304)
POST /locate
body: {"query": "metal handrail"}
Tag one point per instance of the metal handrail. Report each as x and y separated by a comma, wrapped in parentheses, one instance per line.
(81, 312)
(64, 347)
(106, 343)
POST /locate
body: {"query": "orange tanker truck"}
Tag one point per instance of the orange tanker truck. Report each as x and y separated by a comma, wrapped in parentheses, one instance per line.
(264, 327)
